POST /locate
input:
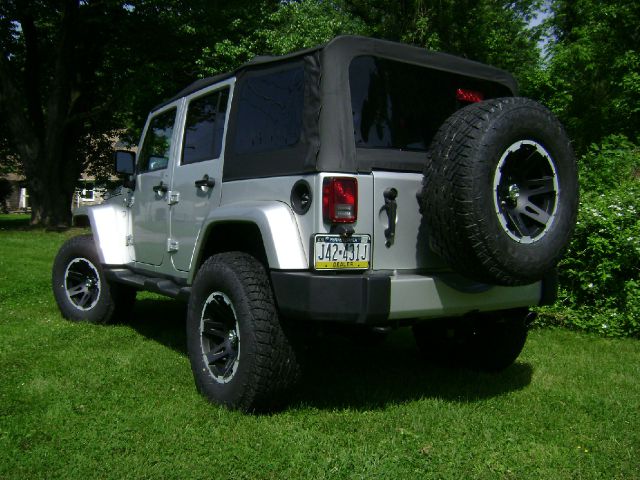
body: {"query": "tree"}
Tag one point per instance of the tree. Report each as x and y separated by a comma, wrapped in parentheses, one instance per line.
(74, 74)
(5, 191)
(486, 31)
(304, 24)
(594, 68)
(492, 32)
(293, 25)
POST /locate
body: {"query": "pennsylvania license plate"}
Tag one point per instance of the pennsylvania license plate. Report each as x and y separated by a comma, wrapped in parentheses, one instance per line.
(333, 252)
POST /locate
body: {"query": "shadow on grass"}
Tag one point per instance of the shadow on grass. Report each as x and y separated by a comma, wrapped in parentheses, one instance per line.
(161, 320)
(14, 221)
(20, 222)
(340, 373)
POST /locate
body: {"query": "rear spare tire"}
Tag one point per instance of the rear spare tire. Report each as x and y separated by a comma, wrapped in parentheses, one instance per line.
(500, 191)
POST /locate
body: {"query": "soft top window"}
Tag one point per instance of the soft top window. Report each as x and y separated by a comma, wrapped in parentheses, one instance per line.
(204, 127)
(398, 105)
(270, 107)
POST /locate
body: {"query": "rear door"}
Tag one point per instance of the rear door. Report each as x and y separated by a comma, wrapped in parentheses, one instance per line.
(197, 174)
(408, 248)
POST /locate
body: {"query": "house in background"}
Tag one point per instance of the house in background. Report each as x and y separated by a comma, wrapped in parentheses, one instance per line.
(87, 192)
(18, 199)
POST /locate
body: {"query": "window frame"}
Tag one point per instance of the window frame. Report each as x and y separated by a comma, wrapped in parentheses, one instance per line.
(219, 90)
(152, 117)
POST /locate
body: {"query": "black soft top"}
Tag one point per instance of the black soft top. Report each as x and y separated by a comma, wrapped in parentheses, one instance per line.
(326, 142)
(354, 45)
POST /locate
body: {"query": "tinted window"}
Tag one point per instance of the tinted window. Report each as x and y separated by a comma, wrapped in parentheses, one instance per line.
(204, 127)
(399, 105)
(269, 111)
(154, 154)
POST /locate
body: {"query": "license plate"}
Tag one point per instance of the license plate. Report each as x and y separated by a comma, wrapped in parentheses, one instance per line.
(333, 252)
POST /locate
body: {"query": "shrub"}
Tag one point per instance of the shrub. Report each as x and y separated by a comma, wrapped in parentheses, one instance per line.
(600, 274)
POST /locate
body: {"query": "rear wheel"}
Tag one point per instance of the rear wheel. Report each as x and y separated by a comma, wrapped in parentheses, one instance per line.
(240, 355)
(488, 342)
(81, 289)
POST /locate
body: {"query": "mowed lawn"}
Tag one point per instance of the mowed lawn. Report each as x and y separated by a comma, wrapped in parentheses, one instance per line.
(118, 401)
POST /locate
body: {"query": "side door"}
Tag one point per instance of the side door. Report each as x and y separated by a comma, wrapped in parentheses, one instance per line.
(150, 209)
(197, 174)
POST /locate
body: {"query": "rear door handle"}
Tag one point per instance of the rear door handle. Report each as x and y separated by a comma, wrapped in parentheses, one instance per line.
(391, 207)
(160, 188)
(205, 182)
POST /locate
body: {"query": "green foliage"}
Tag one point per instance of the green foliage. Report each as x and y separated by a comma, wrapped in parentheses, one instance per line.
(593, 68)
(600, 275)
(487, 31)
(492, 32)
(66, 92)
(613, 164)
(292, 26)
(307, 23)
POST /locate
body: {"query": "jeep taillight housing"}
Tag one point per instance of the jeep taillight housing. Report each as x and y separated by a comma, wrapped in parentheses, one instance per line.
(340, 199)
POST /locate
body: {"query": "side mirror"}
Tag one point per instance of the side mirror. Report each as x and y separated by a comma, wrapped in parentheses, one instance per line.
(125, 162)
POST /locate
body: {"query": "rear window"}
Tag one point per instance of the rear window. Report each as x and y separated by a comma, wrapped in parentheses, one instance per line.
(397, 105)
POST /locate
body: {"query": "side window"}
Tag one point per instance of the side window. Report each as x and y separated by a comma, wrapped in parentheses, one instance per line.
(154, 154)
(270, 109)
(204, 127)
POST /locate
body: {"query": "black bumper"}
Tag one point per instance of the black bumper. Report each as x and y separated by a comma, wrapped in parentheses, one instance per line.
(347, 298)
(360, 298)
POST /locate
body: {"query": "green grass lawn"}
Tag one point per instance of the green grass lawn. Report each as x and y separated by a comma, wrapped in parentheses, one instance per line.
(83, 401)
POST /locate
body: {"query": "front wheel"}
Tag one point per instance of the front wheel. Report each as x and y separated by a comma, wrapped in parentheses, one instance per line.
(239, 352)
(81, 289)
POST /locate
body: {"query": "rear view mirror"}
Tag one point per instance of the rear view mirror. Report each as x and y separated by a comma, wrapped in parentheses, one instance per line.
(125, 162)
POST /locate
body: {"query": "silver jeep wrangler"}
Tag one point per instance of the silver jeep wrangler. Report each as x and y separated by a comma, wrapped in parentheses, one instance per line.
(361, 182)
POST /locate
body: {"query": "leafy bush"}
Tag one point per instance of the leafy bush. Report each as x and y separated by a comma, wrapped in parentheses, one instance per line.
(600, 274)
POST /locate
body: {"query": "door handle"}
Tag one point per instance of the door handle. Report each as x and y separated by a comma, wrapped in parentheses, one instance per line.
(160, 188)
(391, 208)
(205, 182)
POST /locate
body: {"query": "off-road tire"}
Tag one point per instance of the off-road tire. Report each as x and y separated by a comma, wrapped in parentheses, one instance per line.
(80, 288)
(500, 191)
(487, 342)
(240, 355)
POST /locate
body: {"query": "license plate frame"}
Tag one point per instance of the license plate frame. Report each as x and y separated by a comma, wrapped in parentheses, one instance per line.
(335, 252)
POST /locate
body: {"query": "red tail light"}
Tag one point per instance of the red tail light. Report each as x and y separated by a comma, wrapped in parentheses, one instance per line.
(470, 96)
(340, 199)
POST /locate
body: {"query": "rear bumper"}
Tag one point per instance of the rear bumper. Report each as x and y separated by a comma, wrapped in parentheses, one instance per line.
(350, 298)
(382, 298)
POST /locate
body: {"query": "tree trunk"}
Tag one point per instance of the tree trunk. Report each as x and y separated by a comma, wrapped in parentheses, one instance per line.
(44, 134)
(51, 190)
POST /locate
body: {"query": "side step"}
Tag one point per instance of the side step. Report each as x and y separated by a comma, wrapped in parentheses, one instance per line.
(163, 286)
